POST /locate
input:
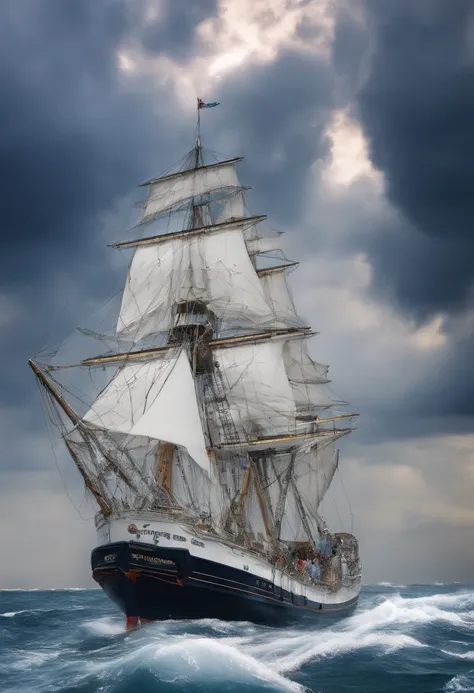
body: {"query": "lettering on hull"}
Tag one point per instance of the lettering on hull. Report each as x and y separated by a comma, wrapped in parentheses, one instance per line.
(156, 560)
(133, 529)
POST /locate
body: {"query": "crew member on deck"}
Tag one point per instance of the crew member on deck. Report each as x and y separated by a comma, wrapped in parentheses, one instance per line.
(325, 545)
(316, 570)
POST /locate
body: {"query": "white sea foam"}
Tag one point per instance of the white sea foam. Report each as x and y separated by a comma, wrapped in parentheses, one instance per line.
(105, 626)
(382, 627)
(271, 655)
(195, 658)
(72, 589)
(391, 585)
(460, 655)
(460, 684)
(200, 656)
(211, 651)
(398, 611)
(29, 659)
(11, 614)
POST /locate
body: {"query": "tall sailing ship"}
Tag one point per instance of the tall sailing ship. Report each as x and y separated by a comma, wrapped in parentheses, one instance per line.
(212, 443)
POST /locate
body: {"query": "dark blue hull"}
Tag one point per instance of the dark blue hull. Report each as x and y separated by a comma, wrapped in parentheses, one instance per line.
(156, 583)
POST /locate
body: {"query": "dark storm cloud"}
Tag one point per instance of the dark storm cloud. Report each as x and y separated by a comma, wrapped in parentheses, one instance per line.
(417, 109)
(280, 112)
(66, 128)
(173, 31)
(74, 137)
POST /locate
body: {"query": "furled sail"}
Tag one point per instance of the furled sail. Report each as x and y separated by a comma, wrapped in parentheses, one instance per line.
(212, 267)
(171, 191)
(155, 399)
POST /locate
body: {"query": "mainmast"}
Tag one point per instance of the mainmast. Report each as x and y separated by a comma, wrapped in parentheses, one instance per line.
(198, 136)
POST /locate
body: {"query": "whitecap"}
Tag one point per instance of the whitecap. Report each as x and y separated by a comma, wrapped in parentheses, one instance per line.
(391, 585)
(27, 659)
(72, 589)
(105, 626)
(377, 627)
(462, 683)
(11, 614)
(196, 658)
(220, 659)
(460, 655)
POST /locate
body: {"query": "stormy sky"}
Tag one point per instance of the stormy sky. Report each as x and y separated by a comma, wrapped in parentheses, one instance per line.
(355, 119)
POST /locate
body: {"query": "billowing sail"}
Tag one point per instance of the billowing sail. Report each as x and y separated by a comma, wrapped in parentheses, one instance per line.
(299, 365)
(278, 295)
(257, 388)
(313, 471)
(213, 267)
(223, 420)
(155, 399)
(292, 528)
(170, 191)
(193, 488)
(261, 244)
(233, 207)
(312, 397)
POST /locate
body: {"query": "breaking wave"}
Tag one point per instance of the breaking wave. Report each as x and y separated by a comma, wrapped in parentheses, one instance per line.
(414, 639)
(391, 585)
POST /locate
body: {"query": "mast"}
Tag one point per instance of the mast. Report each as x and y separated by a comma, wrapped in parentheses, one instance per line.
(196, 216)
(217, 406)
(164, 466)
(198, 134)
(96, 492)
(47, 383)
(261, 502)
(198, 137)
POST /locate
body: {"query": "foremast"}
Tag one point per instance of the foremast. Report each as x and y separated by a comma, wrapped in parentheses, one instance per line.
(230, 419)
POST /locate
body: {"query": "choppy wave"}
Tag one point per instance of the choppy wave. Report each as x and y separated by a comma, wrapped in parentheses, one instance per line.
(413, 639)
(392, 585)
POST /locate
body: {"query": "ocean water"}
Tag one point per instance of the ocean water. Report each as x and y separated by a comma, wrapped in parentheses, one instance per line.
(402, 638)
